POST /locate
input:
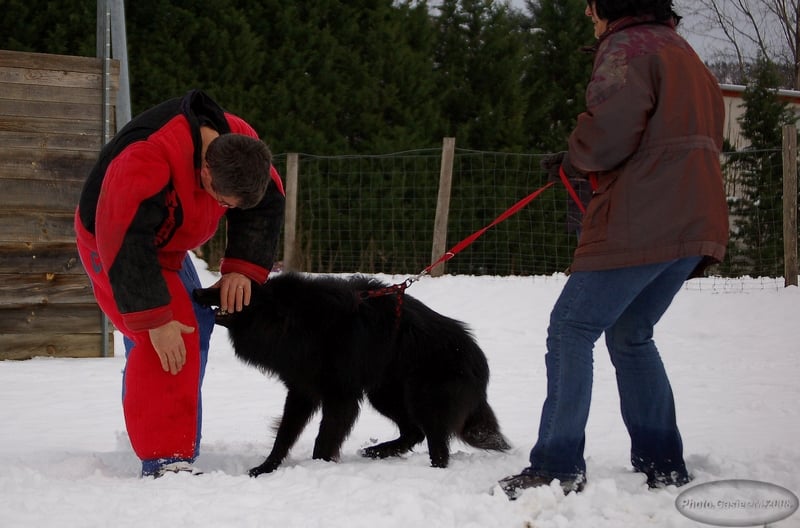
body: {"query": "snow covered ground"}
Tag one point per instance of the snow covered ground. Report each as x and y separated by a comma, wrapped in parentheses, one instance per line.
(733, 358)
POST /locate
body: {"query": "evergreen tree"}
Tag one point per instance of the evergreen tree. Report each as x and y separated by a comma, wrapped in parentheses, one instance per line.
(64, 28)
(478, 64)
(756, 246)
(174, 47)
(347, 77)
(556, 71)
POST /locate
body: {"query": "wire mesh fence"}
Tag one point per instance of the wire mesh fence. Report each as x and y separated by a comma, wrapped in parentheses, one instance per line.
(375, 214)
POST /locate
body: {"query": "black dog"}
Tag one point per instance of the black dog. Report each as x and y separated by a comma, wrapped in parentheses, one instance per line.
(330, 341)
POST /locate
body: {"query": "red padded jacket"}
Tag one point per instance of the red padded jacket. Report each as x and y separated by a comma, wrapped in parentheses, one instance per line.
(143, 207)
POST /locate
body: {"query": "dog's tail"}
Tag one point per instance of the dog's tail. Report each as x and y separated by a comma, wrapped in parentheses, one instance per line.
(481, 430)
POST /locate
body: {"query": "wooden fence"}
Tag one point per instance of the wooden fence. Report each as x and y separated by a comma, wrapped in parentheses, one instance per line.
(53, 122)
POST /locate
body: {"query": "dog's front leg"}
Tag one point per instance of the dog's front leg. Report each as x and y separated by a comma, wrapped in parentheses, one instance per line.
(339, 413)
(297, 411)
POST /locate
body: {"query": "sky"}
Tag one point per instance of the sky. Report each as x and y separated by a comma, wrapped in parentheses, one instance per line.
(700, 29)
(729, 346)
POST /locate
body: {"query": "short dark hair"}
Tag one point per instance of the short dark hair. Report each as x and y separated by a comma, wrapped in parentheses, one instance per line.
(612, 10)
(239, 167)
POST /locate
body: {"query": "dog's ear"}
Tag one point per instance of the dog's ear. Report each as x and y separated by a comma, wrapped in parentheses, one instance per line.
(206, 296)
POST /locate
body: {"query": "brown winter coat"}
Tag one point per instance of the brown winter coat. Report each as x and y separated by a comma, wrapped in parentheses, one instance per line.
(652, 133)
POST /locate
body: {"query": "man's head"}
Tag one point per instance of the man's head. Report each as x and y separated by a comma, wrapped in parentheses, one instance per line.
(238, 167)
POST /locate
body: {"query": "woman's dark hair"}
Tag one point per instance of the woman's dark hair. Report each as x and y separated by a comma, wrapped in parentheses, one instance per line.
(240, 167)
(611, 10)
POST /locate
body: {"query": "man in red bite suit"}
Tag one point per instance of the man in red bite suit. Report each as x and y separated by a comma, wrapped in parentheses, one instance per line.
(158, 190)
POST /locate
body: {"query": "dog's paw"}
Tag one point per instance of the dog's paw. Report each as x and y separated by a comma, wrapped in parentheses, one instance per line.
(369, 452)
(260, 470)
(385, 450)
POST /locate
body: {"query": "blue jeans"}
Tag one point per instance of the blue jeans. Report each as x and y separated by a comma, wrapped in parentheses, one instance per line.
(626, 304)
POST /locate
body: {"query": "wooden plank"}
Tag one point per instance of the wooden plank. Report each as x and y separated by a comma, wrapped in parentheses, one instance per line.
(22, 124)
(35, 92)
(62, 78)
(49, 61)
(36, 228)
(790, 205)
(41, 258)
(290, 261)
(50, 109)
(40, 195)
(68, 72)
(23, 289)
(39, 164)
(26, 346)
(443, 204)
(51, 319)
(50, 141)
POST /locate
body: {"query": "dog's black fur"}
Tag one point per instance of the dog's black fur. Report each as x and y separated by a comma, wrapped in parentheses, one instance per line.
(331, 344)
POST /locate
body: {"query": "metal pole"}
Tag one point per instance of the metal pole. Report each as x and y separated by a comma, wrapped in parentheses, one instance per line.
(104, 52)
(119, 50)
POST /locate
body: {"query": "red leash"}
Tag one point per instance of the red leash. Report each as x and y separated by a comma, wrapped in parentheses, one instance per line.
(470, 239)
(400, 288)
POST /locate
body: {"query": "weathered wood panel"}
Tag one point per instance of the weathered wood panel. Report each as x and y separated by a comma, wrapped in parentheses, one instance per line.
(50, 110)
(41, 258)
(38, 92)
(49, 196)
(62, 78)
(49, 126)
(45, 164)
(26, 346)
(52, 141)
(58, 63)
(56, 70)
(36, 227)
(23, 289)
(51, 319)
(50, 134)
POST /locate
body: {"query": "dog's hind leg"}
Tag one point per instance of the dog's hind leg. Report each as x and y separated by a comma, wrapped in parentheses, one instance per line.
(438, 449)
(437, 428)
(338, 416)
(438, 406)
(390, 402)
(297, 411)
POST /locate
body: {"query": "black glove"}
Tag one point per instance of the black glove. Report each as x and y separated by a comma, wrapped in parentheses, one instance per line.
(552, 162)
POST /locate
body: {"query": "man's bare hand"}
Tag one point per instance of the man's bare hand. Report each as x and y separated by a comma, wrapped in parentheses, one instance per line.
(169, 345)
(234, 292)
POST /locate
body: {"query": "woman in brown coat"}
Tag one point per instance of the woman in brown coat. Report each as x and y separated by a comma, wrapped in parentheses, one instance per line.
(649, 141)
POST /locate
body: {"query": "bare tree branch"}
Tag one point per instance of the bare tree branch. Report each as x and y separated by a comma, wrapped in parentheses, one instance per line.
(758, 28)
